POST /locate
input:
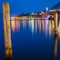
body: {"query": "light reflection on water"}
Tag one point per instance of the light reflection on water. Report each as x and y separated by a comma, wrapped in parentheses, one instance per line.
(38, 26)
(46, 26)
(31, 25)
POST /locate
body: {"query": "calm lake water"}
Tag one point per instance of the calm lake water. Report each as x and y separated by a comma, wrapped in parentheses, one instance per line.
(33, 40)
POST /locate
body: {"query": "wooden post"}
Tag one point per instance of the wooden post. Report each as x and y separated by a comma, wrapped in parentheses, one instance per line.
(56, 20)
(55, 45)
(7, 32)
(55, 33)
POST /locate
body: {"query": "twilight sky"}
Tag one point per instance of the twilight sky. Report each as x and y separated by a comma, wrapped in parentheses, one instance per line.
(26, 6)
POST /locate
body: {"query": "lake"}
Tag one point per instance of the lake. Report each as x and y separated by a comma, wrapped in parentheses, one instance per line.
(32, 40)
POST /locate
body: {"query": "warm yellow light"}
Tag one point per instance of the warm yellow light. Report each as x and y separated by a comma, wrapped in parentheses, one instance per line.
(52, 24)
(17, 25)
(13, 25)
(50, 28)
(59, 24)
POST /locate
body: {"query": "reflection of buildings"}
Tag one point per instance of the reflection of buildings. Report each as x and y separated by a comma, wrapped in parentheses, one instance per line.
(7, 32)
(50, 28)
(46, 26)
(31, 25)
(39, 25)
(35, 23)
(24, 23)
(15, 25)
(43, 24)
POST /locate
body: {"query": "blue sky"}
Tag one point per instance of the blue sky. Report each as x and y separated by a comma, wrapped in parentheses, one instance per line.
(26, 6)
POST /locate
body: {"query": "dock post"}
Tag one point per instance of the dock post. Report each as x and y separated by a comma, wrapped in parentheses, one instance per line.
(56, 20)
(55, 33)
(7, 31)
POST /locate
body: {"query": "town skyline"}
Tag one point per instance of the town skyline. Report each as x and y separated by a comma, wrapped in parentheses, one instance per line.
(19, 7)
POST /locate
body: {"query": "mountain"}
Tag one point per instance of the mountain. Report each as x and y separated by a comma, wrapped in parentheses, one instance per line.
(56, 6)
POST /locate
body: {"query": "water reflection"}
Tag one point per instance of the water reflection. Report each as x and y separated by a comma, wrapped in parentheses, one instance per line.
(24, 23)
(47, 26)
(8, 53)
(56, 36)
(50, 29)
(35, 26)
(38, 26)
(55, 43)
(31, 25)
(43, 25)
(15, 25)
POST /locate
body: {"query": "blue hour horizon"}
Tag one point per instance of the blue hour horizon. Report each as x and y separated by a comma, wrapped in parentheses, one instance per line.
(28, 6)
